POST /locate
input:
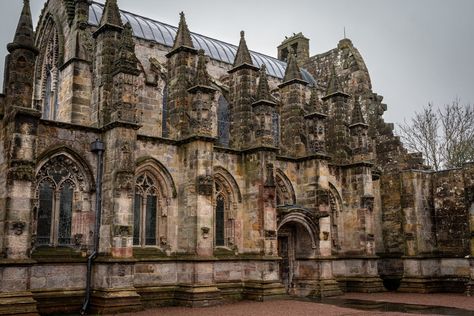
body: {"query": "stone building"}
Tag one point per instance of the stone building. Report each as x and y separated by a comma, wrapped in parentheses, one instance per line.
(215, 173)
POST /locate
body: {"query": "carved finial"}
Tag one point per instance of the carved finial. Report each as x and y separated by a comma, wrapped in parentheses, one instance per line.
(202, 76)
(357, 116)
(292, 71)
(126, 60)
(183, 36)
(314, 102)
(263, 90)
(24, 35)
(334, 85)
(270, 180)
(111, 15)
(243, 55)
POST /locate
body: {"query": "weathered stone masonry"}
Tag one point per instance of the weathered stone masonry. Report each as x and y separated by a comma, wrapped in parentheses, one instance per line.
(228, 174)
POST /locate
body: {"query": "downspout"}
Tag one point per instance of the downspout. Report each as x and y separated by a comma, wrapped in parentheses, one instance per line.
(98, 148)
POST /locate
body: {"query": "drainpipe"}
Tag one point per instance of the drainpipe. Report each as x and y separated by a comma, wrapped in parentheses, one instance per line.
(98, 148)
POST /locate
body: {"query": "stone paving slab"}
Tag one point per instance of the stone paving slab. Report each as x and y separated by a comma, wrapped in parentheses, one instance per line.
(303, 308)
(434, 299)
(273, 308)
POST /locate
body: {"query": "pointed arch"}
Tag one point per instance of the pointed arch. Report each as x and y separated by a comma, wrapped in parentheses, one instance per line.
(64, 184)
(285, 191)
(83, 165)
(305, 218)
(221, 174)
(335, 208)
(160, 171)
(50, 43)
(225, 199)
(154, 189)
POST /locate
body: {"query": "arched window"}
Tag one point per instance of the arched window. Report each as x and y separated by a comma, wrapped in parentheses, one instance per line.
(48, 71)
(150, 207)
(276, 128)
(285, 194)
(335, 209)
(223, 122)
(164, 115)
(61, 183)
(224, 221)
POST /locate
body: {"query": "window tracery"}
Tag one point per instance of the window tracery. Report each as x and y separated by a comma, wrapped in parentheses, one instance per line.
(149, 217)
(60, 185)
(225, 205)
(48, 72)
(223, 122)
(285, 194)
(224, 221)
(335, 218)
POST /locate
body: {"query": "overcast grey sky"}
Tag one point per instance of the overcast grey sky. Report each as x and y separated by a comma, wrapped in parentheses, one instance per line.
(417, 51)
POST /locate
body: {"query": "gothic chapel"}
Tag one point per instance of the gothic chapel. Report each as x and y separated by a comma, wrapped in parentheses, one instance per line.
(145, 165)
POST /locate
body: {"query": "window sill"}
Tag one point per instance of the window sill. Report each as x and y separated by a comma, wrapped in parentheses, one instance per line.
(148, 252)
(45, 254)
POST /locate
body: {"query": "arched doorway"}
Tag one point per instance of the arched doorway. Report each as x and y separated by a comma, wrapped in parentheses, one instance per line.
(298, 241)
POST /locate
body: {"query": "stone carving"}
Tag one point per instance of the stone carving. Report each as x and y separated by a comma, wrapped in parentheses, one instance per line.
(77, 239)
(270, 180)
(18, 228)
(204, 185)
(367, 202)
(124, 182)
(205, 232)
(469, 193)
(322, 197)
(122, 270)
(122, 230)
(270, 234)
(21, 173)
(60, 168)
(163, 241)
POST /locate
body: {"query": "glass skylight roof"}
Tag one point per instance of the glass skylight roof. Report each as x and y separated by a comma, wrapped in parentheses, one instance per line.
(164, 34)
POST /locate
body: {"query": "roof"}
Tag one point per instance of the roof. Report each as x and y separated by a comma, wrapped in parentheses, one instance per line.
(164, 34)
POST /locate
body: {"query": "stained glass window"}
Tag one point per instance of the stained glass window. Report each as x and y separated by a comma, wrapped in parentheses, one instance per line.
(146, 212)
(65, 214)
(45, 212)
(220, 221)
(150, 222)
(47, 96)
(136, 219)
(59, 179)
(223, 122)
(276, 129)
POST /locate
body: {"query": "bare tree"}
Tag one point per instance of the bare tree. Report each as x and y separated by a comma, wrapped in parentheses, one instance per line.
(445, 136)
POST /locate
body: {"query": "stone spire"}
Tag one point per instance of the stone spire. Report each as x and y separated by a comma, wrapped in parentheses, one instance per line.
(126, 60)
(314, 103)
(263, 90)
(357, 116)
(292, 71)
(111, 15)
(202, 77)
(183, 36)
(334, 85)
(242, 57)
(24, 35)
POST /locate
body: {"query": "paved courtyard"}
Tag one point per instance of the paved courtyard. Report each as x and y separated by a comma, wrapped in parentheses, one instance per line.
(365, 304)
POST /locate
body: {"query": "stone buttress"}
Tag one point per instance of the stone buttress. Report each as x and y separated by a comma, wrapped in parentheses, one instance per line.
(19, 131)
(118, 88)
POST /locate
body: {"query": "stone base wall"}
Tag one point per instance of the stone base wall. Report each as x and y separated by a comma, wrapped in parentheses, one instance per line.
(358, 274)
(429, 275)
(132, 285)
